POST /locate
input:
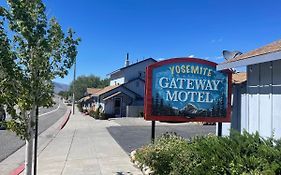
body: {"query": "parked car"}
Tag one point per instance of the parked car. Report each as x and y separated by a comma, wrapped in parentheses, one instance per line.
(68, 102)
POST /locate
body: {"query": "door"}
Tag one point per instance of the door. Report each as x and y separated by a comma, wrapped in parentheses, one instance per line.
(117, 107)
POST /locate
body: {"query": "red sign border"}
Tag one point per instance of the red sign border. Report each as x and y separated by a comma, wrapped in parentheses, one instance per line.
(148, 93)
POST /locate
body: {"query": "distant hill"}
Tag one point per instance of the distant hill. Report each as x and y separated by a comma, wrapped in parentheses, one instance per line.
(60, 87)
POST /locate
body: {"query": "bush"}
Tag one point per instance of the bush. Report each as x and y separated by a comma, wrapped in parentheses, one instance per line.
(160, 155)
(92, 113)
(103, 116)
(85, 111)
(95, 113)
(237, 154)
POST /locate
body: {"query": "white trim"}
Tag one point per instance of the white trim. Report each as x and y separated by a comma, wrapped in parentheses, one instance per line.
(252, 60)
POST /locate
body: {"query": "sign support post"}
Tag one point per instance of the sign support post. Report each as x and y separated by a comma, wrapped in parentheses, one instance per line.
(152, 131)
(219, 129)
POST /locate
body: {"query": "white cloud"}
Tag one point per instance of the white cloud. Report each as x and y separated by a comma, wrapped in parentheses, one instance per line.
(218, 57)
(214, 58)
(191, 56)
(218, 40)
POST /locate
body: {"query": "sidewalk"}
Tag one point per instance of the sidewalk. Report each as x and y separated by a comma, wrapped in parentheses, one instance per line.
(84, 147)
(16, 160)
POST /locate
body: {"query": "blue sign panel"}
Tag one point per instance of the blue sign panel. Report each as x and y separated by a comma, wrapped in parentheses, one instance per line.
(189, 89)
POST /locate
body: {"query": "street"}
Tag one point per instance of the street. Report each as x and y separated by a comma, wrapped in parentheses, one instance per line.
(9, 142)
(136, 132)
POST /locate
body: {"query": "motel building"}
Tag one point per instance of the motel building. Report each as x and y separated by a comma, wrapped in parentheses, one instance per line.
(256, 103)
(124, 97)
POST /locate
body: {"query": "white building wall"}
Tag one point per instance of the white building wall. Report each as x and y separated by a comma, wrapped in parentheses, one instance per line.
(261, 105)
(130, 73)
(117, 81)
(276, 98)
(253, 99)
(244, 110)
(263, 102)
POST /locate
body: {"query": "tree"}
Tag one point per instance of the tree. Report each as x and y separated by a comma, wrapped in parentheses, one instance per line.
(64, 94)
(84, 82)
(33, 53)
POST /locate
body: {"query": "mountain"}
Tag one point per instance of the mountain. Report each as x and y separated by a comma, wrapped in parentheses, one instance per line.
(191, 110)
(60, 87)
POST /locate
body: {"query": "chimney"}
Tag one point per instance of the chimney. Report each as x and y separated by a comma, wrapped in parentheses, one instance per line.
(127, 62)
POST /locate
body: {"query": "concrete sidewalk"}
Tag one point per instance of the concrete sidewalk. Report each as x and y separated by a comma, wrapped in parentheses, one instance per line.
(84, 147)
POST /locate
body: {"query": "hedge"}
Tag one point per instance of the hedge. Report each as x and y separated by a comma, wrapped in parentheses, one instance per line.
(237, 154)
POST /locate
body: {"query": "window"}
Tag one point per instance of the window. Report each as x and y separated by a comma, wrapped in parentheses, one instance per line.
(137, 84)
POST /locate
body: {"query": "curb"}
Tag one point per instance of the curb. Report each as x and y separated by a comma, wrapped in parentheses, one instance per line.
(18, 170)
(21, 168)
(66, 118)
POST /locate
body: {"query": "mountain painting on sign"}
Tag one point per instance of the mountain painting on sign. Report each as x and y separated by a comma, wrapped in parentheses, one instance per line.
(187, 89)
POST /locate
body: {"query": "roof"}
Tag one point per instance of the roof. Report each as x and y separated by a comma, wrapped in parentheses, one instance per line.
(266, 53)
(106, 89)
(132, 65)
(272, 47)
(93, 90)
(110, 88)
(111, 96)
(239, 78)
(84, 98)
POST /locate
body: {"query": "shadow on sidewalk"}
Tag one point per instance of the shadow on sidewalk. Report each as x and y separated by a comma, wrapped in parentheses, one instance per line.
(133, 137)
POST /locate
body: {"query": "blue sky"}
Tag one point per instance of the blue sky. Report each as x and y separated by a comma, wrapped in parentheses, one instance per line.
(163, 29)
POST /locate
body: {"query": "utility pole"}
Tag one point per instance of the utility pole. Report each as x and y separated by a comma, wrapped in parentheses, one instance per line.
(73, 97)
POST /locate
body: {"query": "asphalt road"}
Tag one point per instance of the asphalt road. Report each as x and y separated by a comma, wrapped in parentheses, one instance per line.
(9, 142)
(135, 132)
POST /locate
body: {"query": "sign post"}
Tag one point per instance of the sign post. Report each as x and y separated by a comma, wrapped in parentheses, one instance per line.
(152, 131)
(219, 129)
(187, 90)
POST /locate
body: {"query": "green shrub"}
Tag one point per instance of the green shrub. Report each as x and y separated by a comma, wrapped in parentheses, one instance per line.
(159, 156)
(95, 114)
(237, 154)
(103, 116)
(92, 113)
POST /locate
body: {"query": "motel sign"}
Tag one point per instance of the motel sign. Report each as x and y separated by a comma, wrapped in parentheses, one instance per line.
(187, 89)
